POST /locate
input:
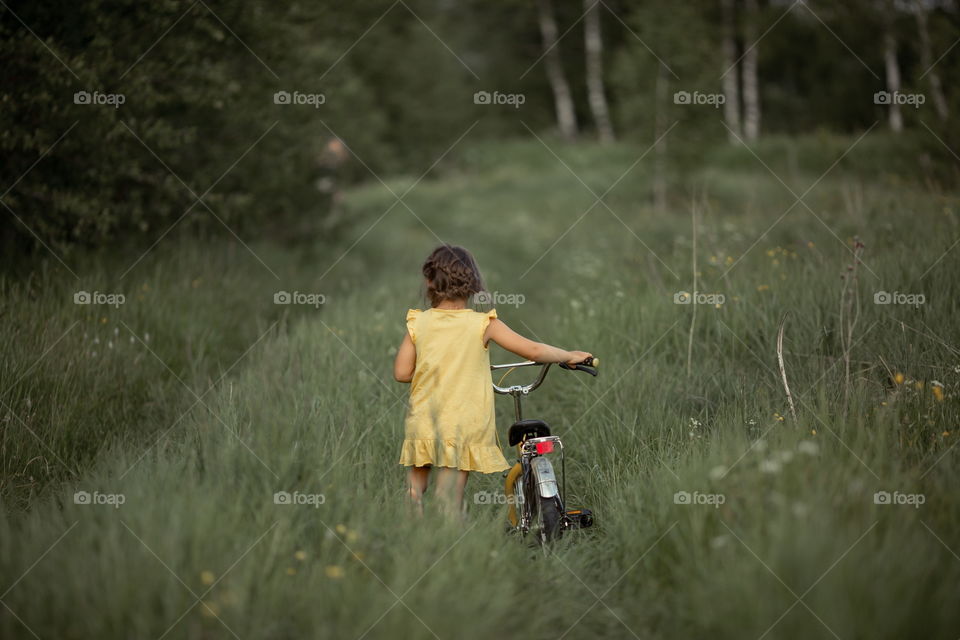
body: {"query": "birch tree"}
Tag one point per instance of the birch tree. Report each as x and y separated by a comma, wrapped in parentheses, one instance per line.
(751, 88)
(596, 96)
(731, 76)
(926, 60)
(562, 99)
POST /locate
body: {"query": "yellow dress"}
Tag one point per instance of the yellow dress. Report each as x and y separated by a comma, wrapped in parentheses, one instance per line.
(450, 420)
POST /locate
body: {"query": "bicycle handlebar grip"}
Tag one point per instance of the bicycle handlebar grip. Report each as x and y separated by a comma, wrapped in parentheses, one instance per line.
(589, 365)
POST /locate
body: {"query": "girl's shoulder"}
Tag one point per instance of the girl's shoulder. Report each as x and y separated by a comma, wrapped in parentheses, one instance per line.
(413, 314)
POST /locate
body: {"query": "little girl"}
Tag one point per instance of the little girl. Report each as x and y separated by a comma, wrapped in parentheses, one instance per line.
(444, 354)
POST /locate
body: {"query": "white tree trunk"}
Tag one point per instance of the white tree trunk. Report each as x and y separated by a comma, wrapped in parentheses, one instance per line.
(593, 41)
(751, 88)
(893, 78)
(926, 60)
(731, 80)
(563, 102)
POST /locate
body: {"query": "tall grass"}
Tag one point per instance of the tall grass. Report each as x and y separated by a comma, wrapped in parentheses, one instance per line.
(791, 545)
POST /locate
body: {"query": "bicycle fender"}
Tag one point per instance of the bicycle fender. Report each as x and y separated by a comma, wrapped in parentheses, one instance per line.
(508, 486)
(545, 477)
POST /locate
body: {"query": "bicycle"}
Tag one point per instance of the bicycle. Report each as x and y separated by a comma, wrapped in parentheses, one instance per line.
(534, 498)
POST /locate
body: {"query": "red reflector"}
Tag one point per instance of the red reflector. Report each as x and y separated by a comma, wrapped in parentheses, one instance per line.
(545, 447)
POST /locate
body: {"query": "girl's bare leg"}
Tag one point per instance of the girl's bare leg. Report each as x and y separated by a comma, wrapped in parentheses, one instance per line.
(451, 484)
(416, 487)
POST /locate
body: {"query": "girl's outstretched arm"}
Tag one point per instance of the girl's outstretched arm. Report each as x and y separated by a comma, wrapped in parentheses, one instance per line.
(512, 341)
(406, 361)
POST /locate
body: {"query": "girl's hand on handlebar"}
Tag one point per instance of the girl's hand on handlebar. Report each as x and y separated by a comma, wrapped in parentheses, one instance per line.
(577, 357)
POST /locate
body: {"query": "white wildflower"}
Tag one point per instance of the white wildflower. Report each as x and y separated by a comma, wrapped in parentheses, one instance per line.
(808, 447)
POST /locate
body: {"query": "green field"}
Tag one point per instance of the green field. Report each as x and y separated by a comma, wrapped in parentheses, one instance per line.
(198, 399)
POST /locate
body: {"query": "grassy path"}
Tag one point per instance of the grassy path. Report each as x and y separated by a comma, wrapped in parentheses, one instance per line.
(778, 512)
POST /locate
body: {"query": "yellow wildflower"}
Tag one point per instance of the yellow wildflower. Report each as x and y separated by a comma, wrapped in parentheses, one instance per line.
(334, 572)
(207, 577)
(300, 555)
(898, 378)
(937, 390)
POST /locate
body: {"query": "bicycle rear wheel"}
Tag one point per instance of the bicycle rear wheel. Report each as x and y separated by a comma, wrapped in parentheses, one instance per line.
(548, 519)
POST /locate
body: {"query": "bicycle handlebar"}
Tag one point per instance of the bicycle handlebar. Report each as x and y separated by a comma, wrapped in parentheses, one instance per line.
(589, 366)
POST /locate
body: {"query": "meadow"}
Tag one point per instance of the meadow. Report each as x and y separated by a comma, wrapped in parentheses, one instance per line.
(143, 445)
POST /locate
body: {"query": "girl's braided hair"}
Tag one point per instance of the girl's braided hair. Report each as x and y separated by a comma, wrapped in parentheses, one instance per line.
(451, 274)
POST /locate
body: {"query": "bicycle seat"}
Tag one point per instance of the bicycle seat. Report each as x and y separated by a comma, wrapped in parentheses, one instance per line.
(527, 429)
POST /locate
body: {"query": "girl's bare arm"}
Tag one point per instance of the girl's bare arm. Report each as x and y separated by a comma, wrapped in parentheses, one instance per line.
(499, 332)
(406, 361)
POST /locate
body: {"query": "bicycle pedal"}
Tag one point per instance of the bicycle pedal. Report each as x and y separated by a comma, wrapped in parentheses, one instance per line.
(579, 518)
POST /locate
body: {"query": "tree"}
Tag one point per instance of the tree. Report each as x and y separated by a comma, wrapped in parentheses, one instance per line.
(926, 59)
(731, 79)
(751, 88)
(563, 101)
(893, 76)
(594, 63)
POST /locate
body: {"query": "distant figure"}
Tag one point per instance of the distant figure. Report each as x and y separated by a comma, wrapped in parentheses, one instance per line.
(331, 157)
